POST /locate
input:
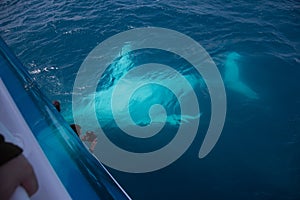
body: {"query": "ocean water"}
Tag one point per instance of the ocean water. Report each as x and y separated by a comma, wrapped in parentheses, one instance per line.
(256, 47)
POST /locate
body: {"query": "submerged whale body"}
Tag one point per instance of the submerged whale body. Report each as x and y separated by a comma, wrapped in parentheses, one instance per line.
(232, 78)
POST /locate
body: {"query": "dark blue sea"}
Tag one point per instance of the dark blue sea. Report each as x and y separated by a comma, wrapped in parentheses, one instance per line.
(256, 48)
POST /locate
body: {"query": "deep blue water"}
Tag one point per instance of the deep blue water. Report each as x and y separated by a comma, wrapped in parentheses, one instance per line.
(257, 155)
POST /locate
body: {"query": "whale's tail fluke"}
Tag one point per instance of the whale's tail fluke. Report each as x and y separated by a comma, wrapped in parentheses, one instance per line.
(232, 79)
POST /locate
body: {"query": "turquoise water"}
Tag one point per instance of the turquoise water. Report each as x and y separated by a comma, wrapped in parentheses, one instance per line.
(255, 45)
(81, 174)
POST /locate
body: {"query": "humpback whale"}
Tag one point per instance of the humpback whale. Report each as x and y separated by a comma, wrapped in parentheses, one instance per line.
(232, 79)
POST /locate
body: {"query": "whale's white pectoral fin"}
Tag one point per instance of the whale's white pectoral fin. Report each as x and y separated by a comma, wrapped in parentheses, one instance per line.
(231, 68)
(243, 89)
(232, 79)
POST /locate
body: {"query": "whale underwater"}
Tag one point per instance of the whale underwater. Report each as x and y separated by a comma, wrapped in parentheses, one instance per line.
(147, 96)
(232, 77)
